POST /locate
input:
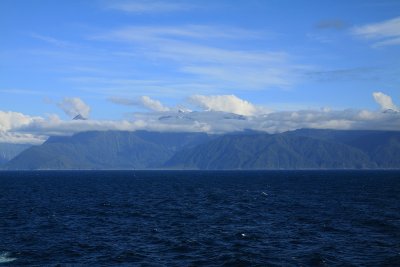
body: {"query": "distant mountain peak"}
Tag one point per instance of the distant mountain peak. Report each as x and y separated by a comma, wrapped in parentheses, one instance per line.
(390, 111)
(79, 117)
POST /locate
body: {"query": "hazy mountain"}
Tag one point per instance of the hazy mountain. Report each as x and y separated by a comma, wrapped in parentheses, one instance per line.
(105, 150)
(263, 151)
(9, 151)
(383, 147)
(174, 141)
(299, 149)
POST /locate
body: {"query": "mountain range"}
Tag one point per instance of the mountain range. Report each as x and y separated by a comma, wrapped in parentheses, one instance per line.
(299, 149)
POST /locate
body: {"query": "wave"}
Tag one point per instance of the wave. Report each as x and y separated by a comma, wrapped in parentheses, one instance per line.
(5, 257)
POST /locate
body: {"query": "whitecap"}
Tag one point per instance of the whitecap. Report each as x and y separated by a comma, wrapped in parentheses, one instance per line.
(4, 257)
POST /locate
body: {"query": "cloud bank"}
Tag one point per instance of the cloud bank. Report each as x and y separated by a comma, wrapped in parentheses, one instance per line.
(10, 121)
(215, 114)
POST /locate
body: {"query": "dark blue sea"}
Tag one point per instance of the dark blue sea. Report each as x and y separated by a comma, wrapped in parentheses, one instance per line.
(200, 218)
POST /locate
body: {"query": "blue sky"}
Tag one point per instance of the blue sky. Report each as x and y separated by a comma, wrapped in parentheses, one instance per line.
(278, 55)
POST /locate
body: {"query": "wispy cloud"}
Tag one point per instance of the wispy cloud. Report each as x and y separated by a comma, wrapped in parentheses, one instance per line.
(149, 6)
(200, 51)
(335, 24)
(350, 74)
(180, 60)
(22, 92)
(174, 87)
(191, 31)
(143, 101)
(53, 41)
(383, 33)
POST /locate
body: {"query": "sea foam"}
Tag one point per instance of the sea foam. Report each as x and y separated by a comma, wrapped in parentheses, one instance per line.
(4, 257)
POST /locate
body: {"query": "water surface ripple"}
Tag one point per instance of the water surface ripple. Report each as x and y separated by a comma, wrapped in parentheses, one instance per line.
(196, 218)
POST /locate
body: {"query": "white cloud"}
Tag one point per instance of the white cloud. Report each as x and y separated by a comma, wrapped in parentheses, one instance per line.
(218, 114)
(53, 41)
(21, 138)
(385, 101)
(62, 127)
(152, 104)
(148, 6)
(164, 33)
(10, 120)
(225, 103)
(36, 131)
(222, 122)
(73, 106)
(384, 33)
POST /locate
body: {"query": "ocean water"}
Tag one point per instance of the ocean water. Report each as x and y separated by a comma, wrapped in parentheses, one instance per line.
(200, 218)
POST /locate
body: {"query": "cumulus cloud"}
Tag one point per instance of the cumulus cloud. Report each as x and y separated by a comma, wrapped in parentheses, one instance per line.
(73, 106)
(384, 33)
(225, 103)
(385, 101)
(152, 104)
(143, 101)
(10, 120)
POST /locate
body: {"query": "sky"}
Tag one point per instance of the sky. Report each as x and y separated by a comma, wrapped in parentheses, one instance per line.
(214, 66)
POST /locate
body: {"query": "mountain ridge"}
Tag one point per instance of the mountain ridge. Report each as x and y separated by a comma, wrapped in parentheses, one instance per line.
(299, 149)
